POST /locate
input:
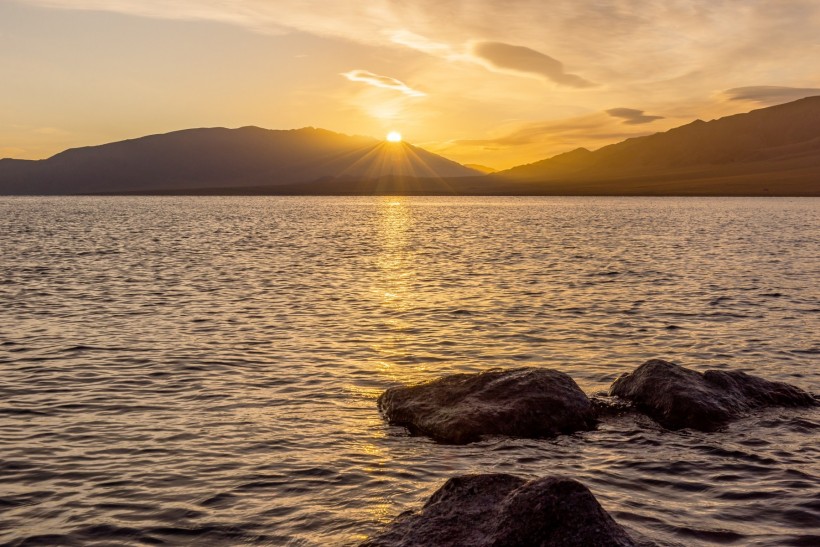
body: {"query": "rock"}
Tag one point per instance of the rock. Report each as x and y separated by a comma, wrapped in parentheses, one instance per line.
(499, 510)
(606, 406)
(458, 409)
(678, 397)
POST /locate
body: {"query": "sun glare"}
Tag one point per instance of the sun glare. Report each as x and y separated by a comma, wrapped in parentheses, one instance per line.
(394, 136)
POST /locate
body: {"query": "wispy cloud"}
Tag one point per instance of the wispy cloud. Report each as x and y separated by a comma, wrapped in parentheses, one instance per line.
(770, 94)
(615, 41)
(631, 116)
(528, 61)
(422, 43)
(384, 82)
(568, 132)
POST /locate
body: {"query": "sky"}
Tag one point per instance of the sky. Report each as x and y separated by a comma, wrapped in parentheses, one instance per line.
(496, 83)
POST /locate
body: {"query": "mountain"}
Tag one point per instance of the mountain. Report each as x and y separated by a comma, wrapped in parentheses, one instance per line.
(767, 152)
(210, 158)
(773, 150)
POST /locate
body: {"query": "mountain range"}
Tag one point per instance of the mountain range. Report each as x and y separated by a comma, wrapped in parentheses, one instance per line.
(222, 158)
(770, 151)
(773, 150)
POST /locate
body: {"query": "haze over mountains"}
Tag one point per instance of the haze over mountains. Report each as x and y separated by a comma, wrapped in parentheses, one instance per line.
(771, 151)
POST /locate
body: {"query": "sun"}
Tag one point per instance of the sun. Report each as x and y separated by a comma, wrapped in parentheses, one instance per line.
(394, 136)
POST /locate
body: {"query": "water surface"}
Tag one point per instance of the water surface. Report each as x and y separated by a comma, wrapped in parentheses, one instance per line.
(187, 370)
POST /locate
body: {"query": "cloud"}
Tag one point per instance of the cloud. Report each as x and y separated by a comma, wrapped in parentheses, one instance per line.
(422, 43)
(631, 116)
(770, 94)
(571, 131)
(526, 60)
(384, 82)
(616, 41)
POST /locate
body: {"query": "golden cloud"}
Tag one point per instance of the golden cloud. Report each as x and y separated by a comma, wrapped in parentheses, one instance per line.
(384, 82)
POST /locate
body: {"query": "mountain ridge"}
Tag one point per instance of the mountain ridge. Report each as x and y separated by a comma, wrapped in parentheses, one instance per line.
(759, 135)
(221, 157)
(768, 151)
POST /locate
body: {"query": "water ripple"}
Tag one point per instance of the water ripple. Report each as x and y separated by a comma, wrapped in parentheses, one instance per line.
(204, 370)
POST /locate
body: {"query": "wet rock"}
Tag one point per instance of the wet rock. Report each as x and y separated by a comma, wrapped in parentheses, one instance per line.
(461, 408)
(606, 406)
(678, 397)
(499, 510)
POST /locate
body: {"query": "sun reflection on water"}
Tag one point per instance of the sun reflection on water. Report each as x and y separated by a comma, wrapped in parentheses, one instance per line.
(394, 288)
(395, 259)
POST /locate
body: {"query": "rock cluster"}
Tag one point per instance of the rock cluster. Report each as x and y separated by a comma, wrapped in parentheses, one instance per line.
(539, 403)
(499, 510)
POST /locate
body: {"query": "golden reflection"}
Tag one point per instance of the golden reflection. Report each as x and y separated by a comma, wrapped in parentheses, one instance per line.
(371, 448)
(395, 261)
(394, 286)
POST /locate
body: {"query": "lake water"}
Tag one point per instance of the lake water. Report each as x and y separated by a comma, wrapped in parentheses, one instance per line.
(184, 370)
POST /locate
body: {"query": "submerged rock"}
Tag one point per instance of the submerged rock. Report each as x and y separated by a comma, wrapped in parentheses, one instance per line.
(678, 397)
(499, 510)
(461, 408)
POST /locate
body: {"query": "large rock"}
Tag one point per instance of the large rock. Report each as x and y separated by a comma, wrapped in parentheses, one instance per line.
(499, 510)
(678, 397)
(525, 402)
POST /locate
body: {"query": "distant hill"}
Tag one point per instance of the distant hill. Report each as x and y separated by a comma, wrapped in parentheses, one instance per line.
(773, 150)
(222, 158)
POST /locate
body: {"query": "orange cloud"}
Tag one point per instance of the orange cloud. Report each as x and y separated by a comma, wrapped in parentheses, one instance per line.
(631, 116)
(770, 94)
(578, 131)
(528, 61)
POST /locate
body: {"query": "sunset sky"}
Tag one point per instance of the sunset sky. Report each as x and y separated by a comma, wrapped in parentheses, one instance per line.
(489, 82)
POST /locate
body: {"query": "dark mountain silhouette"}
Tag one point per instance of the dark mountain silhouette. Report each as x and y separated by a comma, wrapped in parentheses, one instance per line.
(222, 158)
(776, 147)
(771, 151)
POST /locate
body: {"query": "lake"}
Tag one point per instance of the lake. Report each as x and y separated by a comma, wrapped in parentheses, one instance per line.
(204, 370)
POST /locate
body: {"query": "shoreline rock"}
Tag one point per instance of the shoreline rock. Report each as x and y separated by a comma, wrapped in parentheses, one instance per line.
(501, 510)
(678, 397)
(524, 402)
